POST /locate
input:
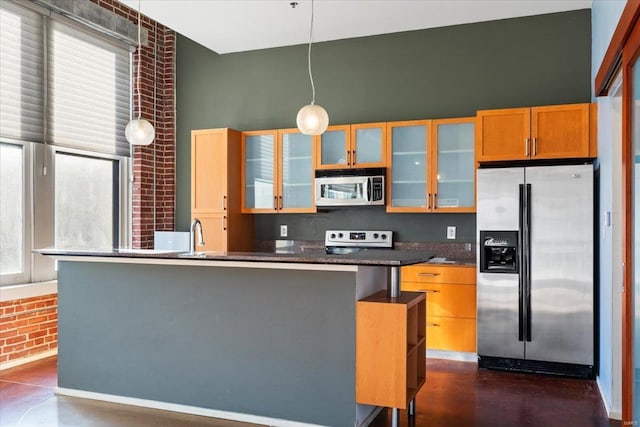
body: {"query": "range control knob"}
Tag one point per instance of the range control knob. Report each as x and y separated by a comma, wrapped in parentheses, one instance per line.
(333, 235)
(340, 235)
(376, 235)
(384, 237)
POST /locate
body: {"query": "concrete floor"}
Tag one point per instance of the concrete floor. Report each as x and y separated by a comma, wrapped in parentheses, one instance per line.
(456, 394)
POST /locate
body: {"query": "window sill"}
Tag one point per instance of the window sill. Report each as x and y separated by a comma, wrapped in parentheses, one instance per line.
(28, 290)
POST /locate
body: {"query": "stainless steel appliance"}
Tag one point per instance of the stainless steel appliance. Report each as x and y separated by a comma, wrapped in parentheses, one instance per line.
(349, 187)
(535, 229)
(349, 241)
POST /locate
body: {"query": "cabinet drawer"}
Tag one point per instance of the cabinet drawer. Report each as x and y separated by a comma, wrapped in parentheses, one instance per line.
(447, 300)
(451, 334)
(428, 273)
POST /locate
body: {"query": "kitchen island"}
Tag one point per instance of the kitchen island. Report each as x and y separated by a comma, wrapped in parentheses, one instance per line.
(265, 338)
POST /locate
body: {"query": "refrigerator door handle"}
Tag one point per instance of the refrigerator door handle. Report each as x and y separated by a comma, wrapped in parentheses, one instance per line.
(528, 263)
(520, 264)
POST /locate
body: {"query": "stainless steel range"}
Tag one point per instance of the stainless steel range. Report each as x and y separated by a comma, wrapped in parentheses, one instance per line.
(349, 241)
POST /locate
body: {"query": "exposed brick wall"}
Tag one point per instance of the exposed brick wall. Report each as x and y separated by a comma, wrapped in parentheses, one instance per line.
(155, 76)
(28, 326)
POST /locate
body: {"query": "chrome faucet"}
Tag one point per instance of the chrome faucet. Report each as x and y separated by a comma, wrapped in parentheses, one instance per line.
(192, 244)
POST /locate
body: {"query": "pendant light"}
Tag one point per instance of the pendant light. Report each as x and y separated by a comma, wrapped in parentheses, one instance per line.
(139, 131)
(312, 119)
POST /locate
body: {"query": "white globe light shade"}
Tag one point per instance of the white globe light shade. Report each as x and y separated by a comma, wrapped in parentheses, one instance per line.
(139, 132)
(312, 119)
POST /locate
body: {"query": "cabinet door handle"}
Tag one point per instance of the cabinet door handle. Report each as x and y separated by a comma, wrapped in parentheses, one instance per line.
(224, 223)
(348, 159)
(429, 201)
(428, 274)
(433, 324)
(526, 147)
(275, 203)
(435, 201)
(429, 291)
(224, 203)
(535, 146)
(280, 197)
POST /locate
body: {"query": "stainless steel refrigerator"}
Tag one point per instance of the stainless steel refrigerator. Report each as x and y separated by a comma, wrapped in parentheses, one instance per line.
(535, 288)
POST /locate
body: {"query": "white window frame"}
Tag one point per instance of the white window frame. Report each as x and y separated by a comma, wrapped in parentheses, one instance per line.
(39, 191)
(27, 198)
(124, 190)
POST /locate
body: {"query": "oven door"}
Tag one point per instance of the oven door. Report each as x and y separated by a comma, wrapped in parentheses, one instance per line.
(342, 191)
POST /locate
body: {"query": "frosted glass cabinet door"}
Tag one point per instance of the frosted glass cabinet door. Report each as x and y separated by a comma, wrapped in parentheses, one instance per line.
(297, 171)
(368, 144)
(259, 161)
(455, 186)
(408, 166)
(334, 144)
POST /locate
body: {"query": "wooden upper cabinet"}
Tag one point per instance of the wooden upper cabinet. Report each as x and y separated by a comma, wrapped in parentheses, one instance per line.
(548, 132)
(502, 134)
(560, 131)
(368, 145)
(453, 165)
(277, 171)
(409, 170)
(295, 172)
(352, 146)
(259, 171)
(431, 165)
(209, 170)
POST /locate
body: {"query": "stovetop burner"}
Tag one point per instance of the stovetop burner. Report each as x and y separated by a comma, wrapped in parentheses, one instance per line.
(342, 242)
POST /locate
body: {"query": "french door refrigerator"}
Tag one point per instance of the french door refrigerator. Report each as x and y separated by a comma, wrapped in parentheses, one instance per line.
(535, 288)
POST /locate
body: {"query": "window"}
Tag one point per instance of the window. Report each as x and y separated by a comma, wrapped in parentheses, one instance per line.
(85, 190)
(64, 159)
(12, 220)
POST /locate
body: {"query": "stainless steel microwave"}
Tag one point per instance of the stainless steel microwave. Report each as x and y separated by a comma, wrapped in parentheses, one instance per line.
(350, 187)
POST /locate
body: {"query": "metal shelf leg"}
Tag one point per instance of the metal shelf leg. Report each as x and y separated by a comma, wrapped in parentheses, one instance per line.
(395, 417)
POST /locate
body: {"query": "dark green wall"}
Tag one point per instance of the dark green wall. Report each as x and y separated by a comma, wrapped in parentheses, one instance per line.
(435, 73)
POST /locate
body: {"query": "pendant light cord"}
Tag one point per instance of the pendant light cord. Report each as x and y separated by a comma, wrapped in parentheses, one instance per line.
(139, 63)
(313, 88)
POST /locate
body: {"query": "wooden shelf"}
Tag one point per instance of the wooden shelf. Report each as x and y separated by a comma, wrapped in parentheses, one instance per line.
(390, 348)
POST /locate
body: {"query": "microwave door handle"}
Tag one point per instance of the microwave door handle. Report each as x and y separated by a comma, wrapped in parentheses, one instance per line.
(369, 195)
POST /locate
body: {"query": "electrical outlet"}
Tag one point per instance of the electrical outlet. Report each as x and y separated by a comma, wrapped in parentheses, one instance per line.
(467, 247)
(283, 231)
(451, 232)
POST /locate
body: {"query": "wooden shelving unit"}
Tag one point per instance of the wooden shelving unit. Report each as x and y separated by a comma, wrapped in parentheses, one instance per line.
(390, 349)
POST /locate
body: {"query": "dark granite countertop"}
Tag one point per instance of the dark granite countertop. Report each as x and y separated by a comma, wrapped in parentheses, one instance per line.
(380, 257)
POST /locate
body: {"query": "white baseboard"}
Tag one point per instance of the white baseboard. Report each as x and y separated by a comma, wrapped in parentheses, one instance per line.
(23, 360)
(184, 409)
(611, 414)
(452, 355)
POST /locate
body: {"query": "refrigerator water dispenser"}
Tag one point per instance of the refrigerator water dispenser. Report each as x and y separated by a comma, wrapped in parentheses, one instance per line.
(499, 252)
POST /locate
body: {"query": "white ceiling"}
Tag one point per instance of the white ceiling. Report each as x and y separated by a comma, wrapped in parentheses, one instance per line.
(226, 26)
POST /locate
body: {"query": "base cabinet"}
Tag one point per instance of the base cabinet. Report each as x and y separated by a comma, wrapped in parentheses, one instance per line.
(451, 304)
(390, 349)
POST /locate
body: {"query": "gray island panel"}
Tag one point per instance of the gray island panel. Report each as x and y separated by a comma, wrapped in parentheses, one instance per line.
(276, 343)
